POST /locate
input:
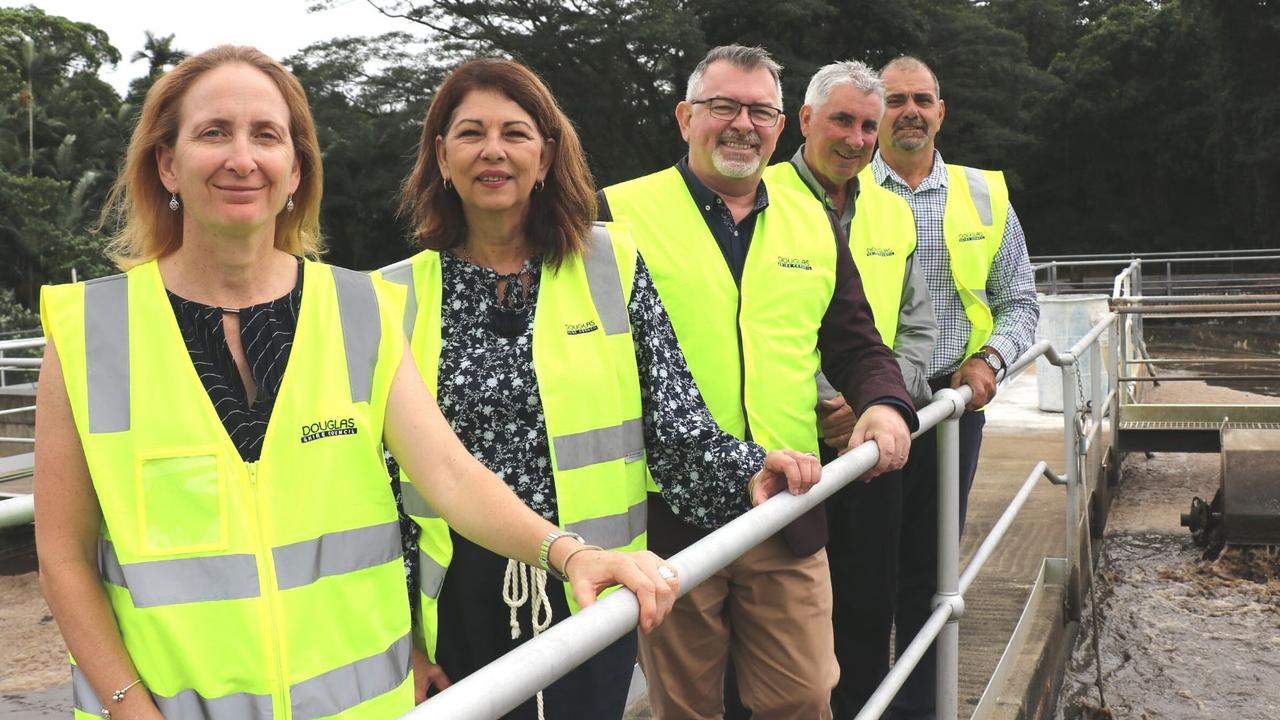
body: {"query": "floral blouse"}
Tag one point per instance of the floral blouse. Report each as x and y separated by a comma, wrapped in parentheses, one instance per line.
(489, 394)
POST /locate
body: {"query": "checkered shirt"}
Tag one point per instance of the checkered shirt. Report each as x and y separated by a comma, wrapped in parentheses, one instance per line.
(1011, 286)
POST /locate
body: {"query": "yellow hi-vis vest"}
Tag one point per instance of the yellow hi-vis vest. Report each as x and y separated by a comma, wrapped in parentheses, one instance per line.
(753, 352)
(584, 360)
(271, 589)
(882, 237)
(973, 224)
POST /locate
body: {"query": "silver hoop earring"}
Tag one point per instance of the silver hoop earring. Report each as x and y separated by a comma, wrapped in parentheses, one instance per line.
(537, 187)
(288, 207)
(448, 184)
(173, 202)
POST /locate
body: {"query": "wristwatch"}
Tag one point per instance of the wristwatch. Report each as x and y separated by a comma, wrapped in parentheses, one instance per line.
(544, 552)
(992, 360)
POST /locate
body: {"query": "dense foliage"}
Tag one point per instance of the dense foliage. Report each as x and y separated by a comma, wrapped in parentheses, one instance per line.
(1123, 124)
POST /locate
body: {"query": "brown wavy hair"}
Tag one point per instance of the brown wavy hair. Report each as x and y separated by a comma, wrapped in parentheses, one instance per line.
(139, 202)
(560, 214)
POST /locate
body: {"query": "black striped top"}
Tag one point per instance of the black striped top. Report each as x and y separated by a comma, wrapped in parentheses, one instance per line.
(266, 333)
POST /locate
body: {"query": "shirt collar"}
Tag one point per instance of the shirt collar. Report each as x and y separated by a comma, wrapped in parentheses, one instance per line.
(705, 196)
(937, 177)
(806, 174)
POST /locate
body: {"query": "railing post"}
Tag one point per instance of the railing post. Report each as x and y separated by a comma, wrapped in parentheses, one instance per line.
(1053, 278)
(948, 643)
(1071, 438)
(1113, 367)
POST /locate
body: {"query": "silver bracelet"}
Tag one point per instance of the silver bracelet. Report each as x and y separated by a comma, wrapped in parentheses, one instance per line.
(118, 696)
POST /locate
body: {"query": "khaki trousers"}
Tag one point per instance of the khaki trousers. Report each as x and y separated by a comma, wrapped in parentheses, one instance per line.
(772, 611)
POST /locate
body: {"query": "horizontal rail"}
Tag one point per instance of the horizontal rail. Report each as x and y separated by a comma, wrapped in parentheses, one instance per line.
(17, 511)
(21, 344)
(14, 411)
(1106, 262)
(20, 363)
(1251, 360)
(31, 441)
(1184, 378)
(1230, 254)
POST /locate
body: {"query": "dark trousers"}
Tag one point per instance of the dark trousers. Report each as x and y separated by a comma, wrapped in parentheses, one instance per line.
(475, 630)
(865, 521)
(918, 556)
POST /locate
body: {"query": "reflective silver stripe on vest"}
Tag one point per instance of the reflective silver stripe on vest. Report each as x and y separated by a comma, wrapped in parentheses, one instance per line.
(599, 445)
(414, 503)
(343, 688)
(106, 349)
(981, 294)
(980, 192)
(82, 694)
(402, 273)
(430, 574)
(614, 531)
(604, 282)
(184, 580)
(186, 704)
(361, 329)
(190, 704)
(336, 553)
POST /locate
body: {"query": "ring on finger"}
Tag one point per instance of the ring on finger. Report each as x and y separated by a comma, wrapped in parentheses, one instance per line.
(666, 572)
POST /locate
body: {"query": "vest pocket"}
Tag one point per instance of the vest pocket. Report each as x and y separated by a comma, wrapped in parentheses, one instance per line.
(181, 504)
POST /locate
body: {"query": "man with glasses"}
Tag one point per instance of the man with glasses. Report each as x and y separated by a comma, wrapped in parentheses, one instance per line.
(761, 295)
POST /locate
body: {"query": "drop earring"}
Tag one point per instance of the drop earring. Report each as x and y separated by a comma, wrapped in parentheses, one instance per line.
(288, 207)
(173, 202)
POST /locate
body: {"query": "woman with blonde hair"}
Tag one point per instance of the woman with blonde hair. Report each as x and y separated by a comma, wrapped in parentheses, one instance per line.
(215, 528)
(551, 355)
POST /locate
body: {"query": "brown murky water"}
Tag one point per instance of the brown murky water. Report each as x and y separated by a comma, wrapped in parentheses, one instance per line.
(1179, 637)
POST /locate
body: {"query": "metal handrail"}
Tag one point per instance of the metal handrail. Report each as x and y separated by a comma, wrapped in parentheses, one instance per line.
(511, 679)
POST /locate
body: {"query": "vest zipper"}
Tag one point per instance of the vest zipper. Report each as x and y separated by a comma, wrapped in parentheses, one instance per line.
(269, 593)
(742, 371)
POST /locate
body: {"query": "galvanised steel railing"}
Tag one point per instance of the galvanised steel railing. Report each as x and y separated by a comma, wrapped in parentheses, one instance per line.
(511, 679)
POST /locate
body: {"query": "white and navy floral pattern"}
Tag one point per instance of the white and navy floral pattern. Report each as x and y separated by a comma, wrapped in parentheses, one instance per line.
(489, 394)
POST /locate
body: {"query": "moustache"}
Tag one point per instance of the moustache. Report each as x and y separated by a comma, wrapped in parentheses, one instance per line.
(732, 135)
(914, 123)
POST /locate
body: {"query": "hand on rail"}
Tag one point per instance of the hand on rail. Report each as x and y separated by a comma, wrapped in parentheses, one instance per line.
(836, 420)
(788, 470)
(648, 576)
(978, 375)
(426, 675)
(884, 424)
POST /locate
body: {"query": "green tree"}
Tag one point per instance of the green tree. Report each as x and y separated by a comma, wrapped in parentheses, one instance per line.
(368, 96)
(161, 56)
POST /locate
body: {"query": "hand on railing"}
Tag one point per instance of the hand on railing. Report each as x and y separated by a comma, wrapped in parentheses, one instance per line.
(836, 420)
(788, 470)
(654, 582)
(885, 425)
(980, 376)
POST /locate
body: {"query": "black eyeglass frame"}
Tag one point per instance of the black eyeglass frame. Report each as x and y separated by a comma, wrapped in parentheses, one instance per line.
(751, 107)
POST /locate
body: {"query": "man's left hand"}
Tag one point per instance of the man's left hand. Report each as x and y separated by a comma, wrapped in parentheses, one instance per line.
(978, 375)
(884, 424)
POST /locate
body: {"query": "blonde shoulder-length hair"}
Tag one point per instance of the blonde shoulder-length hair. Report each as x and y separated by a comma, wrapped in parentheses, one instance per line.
(138, 201)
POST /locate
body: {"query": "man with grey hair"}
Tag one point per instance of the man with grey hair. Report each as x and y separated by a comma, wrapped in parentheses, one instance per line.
(839, 121)
(761, 295)
(974, 257)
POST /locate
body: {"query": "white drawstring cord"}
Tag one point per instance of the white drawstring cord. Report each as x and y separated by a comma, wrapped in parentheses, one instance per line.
(516, 591)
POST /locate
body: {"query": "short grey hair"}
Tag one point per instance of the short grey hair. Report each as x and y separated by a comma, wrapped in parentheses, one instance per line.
(849, 72)
(741, 57)
(909, 62)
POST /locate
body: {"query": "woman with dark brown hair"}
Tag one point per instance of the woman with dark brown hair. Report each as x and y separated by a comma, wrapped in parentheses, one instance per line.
(552, 358)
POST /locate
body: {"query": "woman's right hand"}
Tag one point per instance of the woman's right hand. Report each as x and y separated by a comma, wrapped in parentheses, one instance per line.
(651, 578)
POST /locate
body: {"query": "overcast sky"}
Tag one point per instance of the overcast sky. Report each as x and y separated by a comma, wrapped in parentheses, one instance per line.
(277, 27)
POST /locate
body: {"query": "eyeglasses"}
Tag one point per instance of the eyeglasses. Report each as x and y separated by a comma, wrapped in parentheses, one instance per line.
(728, 109)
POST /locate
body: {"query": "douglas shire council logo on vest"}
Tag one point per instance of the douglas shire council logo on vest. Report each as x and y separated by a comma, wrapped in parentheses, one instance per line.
(580, 328)
(879, 252)
(328, 428)
(794, 263)
(972, 237)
